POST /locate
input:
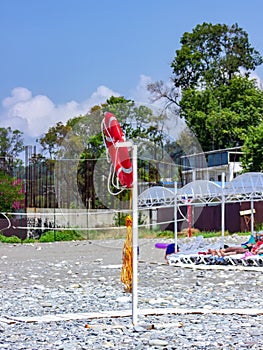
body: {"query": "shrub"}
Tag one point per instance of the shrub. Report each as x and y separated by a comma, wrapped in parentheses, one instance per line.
(11, 239)
(52, 236)
(165, 234)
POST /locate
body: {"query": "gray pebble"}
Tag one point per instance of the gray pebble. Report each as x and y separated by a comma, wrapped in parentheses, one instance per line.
(40, 286)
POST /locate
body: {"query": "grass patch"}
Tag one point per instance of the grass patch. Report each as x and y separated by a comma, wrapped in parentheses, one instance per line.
(165, 234)
(11, 239)
(49, 236)
(119, 233)
(58, 236)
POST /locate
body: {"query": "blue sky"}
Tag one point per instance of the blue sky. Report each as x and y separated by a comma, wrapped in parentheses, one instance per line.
(60, 57)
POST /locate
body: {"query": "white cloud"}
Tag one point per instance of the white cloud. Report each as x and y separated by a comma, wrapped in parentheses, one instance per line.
(254, 75)
(34, 115)
(140, 93)
(17, 95)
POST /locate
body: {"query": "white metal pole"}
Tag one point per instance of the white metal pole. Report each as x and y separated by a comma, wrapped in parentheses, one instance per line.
(129, 144)
(175, 217)
(134, 238)
(223, 211)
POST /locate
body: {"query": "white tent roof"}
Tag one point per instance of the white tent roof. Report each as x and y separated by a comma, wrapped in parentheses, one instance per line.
(200, 190)
(156, 196)
(244, 187)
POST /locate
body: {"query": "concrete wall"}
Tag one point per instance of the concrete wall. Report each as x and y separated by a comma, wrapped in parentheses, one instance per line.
(77, 218)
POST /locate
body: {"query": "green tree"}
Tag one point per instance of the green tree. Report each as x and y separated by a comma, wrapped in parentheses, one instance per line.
(209, 91)
(11, 145)
(80, 142)
(253, 149)
(220, 117)
(10, 192)
(54, 138)
(212, 54)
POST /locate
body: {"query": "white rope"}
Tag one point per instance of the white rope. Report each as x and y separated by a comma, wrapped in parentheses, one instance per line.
(111, 182)
(9, 222)
(90, 212)
(87, 228)
(181, 213)
(48, 318)
(112, 172)
(103, 138)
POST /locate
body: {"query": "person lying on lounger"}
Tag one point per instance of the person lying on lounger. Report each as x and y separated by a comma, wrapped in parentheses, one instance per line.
(257, 248)
(228, 251)
(249, 247)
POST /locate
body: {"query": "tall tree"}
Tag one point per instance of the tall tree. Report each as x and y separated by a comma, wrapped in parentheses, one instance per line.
(53, 138)
(217, 102)
(212, 54)
(220, 117)
(11, 145)
(80, 143)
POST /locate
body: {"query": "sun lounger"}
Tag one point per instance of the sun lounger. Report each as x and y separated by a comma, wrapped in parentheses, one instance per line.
(235, 259)
(186, 258)
(192, 255)
(254, 260)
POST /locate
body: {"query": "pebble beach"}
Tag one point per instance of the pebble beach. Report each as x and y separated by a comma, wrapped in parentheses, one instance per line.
(68, 295)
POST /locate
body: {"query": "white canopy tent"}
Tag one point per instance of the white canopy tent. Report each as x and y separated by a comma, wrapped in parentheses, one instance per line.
(243, 188)
(156, 196)
(199, 191)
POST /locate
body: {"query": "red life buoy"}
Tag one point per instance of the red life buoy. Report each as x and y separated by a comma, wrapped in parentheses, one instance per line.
(119, 156)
